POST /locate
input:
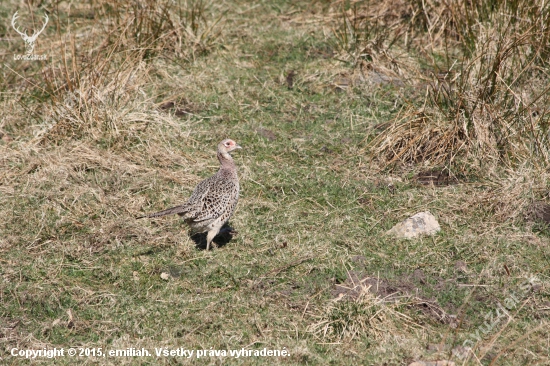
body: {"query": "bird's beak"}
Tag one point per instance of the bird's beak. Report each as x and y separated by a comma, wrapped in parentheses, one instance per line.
(238, 147)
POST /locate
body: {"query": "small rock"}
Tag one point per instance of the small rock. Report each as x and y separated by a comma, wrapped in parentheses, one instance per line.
(453, 321)
(461, 266)
(342, 82)
(436, 347)
(423, 223)
(419, 276)
(268, 134)
(539, 211)
(165, 276)
(359, 259)
(432, 363)
(461, 351)
(5, 137)
(377, 77)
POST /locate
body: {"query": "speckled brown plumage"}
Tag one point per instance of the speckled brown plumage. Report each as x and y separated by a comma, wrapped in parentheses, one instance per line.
(213, 200)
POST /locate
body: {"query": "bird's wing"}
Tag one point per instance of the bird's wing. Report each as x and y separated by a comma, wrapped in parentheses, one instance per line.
(201, 190)
(219, 200)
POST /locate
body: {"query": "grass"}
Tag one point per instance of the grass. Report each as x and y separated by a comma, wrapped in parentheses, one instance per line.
(124, 118)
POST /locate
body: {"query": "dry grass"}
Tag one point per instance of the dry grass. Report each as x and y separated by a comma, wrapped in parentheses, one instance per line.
(124, 117)
(473, 78)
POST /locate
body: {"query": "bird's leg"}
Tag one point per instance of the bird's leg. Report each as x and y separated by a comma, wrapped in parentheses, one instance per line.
(210, 236)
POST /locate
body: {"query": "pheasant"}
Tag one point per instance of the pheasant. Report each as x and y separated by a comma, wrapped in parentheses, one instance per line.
(213, 200)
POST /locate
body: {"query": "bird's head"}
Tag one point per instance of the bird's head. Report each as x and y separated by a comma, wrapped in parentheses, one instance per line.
(228, 145)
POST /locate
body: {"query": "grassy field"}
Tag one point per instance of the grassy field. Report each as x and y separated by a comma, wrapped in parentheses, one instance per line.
(352, 116)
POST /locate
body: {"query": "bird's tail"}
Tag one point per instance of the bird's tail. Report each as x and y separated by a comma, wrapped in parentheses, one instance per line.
(174, 210)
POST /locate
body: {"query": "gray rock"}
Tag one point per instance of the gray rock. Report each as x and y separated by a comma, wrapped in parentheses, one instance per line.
(423, 223)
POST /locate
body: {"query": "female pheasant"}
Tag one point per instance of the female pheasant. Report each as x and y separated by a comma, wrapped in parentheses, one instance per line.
(213, 200)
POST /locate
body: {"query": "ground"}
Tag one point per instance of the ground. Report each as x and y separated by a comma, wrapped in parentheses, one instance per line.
(113, 126)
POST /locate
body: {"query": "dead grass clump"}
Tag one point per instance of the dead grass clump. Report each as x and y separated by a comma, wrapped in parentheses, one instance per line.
(98, 98)
(481, 66)
(372, 35)
(458, 23)
(345, 319)
(495, 90)
(363, 307)
(515, 195)
(417, 137)
(181, 28)
(96, 85)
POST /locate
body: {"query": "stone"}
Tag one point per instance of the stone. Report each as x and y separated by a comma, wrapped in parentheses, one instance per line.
(432, 363)
(423, 223)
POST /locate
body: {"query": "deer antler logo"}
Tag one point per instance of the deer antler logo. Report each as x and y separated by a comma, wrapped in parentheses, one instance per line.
(29, 40)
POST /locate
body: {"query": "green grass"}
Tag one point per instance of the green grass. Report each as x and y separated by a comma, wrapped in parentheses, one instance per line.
(77, 269)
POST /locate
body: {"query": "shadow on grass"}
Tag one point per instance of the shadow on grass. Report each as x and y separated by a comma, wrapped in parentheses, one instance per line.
(222, 239)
